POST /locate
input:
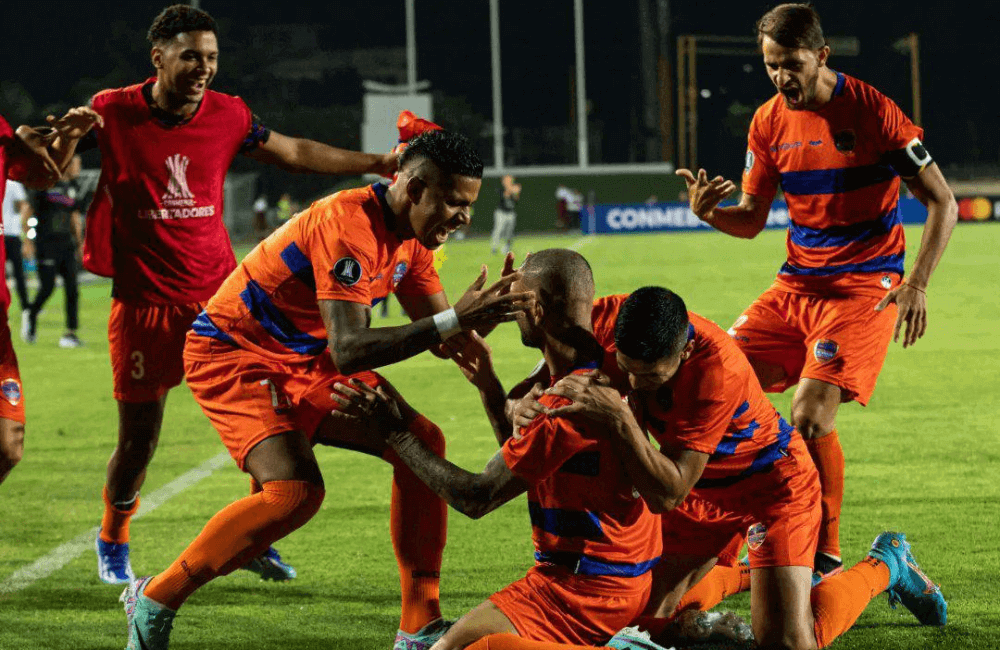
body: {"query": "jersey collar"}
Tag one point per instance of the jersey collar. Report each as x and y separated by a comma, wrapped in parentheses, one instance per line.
(388, 215)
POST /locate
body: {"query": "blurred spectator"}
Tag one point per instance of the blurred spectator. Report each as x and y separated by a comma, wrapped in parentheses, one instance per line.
(284, 208)
(260, 217)
(570, 204)
(16, 211)
(505, 216)
(58, 242)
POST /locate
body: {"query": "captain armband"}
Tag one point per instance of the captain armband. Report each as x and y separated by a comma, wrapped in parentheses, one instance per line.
(910, 160)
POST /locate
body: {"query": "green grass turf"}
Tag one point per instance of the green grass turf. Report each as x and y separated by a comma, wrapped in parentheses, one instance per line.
(924, 458)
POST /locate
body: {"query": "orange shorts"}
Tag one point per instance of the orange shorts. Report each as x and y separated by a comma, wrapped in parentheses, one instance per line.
(840, 340)
(11, 393)
(249, 398)
(554, 605)
(146, 342)
(777, 512)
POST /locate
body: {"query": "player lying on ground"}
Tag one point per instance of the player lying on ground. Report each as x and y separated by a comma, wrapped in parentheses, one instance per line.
(595, 539)
(727, 463)
(837, 147)
(290, 322)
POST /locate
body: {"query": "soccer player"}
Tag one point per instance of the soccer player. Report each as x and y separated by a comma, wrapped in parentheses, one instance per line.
(37, 161)
(728, 466)
(294, 319)
(505, 215)
(58, 240)
(595, 540)
(837, 148)
(156, 228)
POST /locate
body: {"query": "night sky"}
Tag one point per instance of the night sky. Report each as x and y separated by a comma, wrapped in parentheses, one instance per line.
(50, 46)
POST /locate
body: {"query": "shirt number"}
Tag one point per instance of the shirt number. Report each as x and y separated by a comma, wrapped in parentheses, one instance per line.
(139, 371)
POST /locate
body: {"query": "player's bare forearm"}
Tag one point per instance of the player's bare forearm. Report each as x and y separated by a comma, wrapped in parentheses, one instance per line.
(302, 155)
(495, 404)
(744, 220)
(932, 190)
(474, 495)
(657, 478)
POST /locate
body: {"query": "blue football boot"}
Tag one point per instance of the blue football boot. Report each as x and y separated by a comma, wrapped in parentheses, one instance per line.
(907, 583)
(268, 566)
(113, 565)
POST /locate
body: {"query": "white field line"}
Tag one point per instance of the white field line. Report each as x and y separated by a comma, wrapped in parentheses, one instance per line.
(62, 555)
(581, 242)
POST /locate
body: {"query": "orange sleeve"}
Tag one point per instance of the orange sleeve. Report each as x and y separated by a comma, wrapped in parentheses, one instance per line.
(544, 446)
(343, 263)
(703, 411)
(895, 128)
(760, 177)
(421, 279)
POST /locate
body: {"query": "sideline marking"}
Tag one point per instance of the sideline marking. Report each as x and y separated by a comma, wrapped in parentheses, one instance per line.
(62, 555)
(581, 242)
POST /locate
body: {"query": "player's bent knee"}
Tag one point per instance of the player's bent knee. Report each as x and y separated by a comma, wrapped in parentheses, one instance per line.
(428, 433)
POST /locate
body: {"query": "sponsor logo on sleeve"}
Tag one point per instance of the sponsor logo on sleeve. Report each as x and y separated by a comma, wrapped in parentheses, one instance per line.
(398, 273)
(749, 162)
(11, 389)
(756, 535)
(825, 350)
(347, 271)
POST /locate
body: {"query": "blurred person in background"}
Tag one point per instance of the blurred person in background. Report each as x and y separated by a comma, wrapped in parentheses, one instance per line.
(505, 215)
(570, 205)
(156, 228)
(58, 242)
(260, 217)
(284, 208)
(16, 212)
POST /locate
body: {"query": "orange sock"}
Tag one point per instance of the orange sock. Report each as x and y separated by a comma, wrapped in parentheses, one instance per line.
(236, 534)
(828, 455)
(838, 601)
(418, 523)
(720, 582)
(115, 522)
(514, 642)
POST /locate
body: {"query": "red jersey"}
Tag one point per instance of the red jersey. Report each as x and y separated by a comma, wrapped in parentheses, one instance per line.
(6, 143)
(159, 201)
(341, 248)
(713, 405)
(581, 501)
(845, 234)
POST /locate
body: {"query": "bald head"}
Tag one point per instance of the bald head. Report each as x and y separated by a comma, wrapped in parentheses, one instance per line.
(561, 278)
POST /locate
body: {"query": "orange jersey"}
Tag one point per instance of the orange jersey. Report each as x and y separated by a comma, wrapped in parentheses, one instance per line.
(845, 234)
(341, 248)
(581, 501)
(713, 405)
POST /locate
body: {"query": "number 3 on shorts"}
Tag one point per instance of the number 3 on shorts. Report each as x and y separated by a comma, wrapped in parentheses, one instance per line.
(139, 371)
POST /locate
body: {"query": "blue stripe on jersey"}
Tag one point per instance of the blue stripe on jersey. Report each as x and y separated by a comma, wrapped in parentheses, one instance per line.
(585, 463)
(299, 264)
(277, 324)
(883, 264)
(589, 565)
(768, 455)
(566, 523)
(729, 443)
(204, 326)
(838, 90)
(835, 181)
(838, 236)
(743, 408)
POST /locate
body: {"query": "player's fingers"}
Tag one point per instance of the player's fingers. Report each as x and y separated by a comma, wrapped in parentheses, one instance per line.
(702, 177)
(886, 301)
(504, 282)
(480, 280)
(686, 175)
(568, 409)
(896, 328)
(340, 400)
(344, 389)
(718, 179)
(508, 264)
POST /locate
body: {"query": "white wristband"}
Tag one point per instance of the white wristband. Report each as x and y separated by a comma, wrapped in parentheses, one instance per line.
(447, 323)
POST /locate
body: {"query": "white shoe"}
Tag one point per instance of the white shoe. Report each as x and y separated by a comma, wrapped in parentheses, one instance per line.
(25, 324)
(70, 341)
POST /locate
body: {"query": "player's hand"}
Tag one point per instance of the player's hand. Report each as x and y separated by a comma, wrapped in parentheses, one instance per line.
(76, 123)
(592, 397)
(912, 304)
(526, 409)
(705, 195)
(475, 360)
(480, 309)
(387, 165)
(508, 269)
(37, 144)
(374, 409)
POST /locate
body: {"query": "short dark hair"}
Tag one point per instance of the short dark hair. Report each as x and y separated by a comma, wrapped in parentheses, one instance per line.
(792, 25)
(451, 152)
(652, 324)
(177, 19)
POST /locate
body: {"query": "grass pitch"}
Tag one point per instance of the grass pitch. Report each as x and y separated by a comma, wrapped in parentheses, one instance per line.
(924, 458)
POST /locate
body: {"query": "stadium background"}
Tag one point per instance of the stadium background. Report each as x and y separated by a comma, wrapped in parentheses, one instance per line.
(922, 457)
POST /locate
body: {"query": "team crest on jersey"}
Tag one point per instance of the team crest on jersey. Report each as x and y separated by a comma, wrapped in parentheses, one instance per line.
(398, 273)
(347, 270)
(825, 350)
(178, 192)
(11, 389)
(845, 140)
(756, 535)
(886, 282)
(749, 162)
